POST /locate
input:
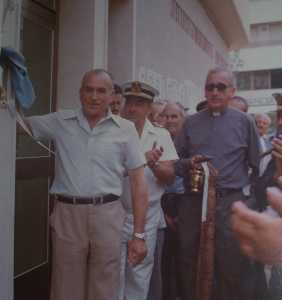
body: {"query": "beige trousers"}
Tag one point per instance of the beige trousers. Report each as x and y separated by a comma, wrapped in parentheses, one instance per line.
(86, 244)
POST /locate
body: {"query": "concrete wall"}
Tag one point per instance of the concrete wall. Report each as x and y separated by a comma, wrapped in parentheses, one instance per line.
(276, 31)
(266, 34)
(121, 30)
(9, 36)
(268, 55)
(230, 17)
(147, 44)
(76, 48)
(167, 56)
(261, 58)
(265, 11)
(243, 8)
(82, 45)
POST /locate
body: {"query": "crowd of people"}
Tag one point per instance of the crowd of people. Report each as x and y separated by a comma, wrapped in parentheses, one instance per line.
(126, 224)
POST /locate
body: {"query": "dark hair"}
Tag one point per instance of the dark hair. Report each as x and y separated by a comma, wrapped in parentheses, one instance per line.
(202, 105)
(117, 89)
(242, 100)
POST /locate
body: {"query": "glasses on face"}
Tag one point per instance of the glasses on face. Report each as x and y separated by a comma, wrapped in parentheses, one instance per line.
(221, 87)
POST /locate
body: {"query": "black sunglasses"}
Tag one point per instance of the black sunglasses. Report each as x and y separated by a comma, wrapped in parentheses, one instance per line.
(221, 87)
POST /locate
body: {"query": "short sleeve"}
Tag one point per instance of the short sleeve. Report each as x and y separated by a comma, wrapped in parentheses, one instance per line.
(134, 158)
(166, 143)
(43, 127)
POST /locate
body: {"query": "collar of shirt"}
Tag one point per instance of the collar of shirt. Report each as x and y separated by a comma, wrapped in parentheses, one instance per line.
(216, 114)
(262, 143)
(79, 115)
(149, 128)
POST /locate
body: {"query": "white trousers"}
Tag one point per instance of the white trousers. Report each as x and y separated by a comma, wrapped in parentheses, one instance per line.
(135, 281)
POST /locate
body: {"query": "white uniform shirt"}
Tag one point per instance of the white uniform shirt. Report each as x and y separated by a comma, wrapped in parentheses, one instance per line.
(162, 138)
(89, 162)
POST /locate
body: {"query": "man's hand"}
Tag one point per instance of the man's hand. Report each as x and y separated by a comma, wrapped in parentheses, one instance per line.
(195, 161)
(137, 251)
(171, 222)
(152, 156)
(260, 235)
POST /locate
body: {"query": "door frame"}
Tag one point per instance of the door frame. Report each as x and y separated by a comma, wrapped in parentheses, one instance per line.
(9, 29)
(10, 36)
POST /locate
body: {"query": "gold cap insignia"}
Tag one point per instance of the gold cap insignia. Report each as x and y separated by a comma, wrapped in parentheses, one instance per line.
(136, 87)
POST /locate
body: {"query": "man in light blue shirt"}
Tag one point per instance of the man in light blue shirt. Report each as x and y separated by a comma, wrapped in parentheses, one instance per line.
(94, 151)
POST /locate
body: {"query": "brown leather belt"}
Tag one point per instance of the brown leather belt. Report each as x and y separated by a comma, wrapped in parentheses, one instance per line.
(98, 200)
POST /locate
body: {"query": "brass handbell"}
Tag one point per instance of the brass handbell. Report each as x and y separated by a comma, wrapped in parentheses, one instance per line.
(196, 180)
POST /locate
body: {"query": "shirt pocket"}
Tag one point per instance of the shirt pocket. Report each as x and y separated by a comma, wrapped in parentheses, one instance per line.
(107, 151)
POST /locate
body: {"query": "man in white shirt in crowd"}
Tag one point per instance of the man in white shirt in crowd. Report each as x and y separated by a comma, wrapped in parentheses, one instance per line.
(263, 122)
(160, 153)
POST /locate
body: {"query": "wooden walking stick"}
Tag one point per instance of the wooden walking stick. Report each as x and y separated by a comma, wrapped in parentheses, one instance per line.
(206, 254)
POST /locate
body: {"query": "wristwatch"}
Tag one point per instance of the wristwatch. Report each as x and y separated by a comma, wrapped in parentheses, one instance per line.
(140, 236)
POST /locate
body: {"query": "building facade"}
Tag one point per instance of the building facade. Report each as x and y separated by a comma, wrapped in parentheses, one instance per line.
(171, 44)
(259, 72)
(167, 43)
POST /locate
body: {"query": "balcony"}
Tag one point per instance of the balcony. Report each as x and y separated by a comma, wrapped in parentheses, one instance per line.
(231, 18)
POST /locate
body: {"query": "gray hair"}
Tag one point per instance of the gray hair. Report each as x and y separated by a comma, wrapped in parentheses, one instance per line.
(180, 107)
(229, 75)
(97, 72)
(263, 116)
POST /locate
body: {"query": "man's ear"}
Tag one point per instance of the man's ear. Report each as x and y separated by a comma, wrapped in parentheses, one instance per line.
(232, 90)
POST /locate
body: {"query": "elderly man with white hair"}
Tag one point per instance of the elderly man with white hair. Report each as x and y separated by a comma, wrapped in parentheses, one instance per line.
(263, 122)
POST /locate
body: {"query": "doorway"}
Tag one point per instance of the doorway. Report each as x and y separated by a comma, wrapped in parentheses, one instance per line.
(34, 165)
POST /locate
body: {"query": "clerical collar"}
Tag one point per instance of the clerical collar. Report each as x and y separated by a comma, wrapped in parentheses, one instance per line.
(216, 114)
